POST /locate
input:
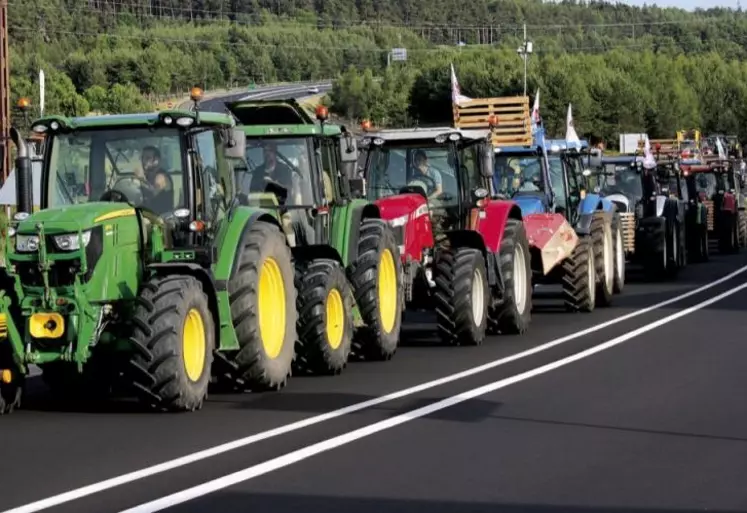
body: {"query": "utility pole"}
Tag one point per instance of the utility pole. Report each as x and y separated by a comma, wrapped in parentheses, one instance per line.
(4, 91)
(524, 50)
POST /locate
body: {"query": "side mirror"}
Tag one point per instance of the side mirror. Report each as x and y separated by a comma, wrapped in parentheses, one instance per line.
(487, 160)
(357, 187)
(348, 149)
(595, 158)
(236, 146)
(480, 193)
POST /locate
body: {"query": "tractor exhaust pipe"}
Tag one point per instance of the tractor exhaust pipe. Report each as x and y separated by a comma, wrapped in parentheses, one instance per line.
(24, 193)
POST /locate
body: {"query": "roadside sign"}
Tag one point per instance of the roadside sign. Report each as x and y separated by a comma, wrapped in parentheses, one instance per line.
(399, 54)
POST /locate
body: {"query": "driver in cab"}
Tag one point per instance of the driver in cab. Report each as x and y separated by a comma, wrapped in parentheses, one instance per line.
(273, 175)
(427, 174)
(156, 183)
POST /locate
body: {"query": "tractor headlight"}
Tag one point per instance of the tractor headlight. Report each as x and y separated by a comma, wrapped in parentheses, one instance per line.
(27, 243)
(71, 241)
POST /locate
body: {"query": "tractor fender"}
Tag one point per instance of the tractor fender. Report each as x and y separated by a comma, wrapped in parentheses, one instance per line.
(409, 217)
(209, 285)
(594, 202)
(490, 221)
(230, 236)
(346, 222)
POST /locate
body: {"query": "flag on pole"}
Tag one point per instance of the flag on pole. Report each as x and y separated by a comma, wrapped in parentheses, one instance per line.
(41, 92)
(456, 94)
(570, 130)
(649, 162)
(536, 119)
(720, 148)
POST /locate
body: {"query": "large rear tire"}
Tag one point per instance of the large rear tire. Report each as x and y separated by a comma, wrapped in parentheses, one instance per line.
(11, 381)
(325, 321)
(579, 278)
(174, 337)
(513, 316)
(376, 277)
(263, 308)
(604, 258)
(462, 296)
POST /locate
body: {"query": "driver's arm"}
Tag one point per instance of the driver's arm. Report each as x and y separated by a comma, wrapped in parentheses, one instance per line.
(438, 181)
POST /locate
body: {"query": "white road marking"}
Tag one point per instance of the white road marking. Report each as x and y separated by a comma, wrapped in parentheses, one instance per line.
(166, 466)
(347, 438)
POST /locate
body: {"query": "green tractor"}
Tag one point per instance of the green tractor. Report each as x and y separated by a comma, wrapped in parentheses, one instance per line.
(303, 171)
(144, 265)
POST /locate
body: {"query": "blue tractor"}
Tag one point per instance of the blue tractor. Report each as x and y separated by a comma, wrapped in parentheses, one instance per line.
(571, 233)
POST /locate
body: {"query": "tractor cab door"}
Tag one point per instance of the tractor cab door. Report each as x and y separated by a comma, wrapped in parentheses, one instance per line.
(565, 174)
(471, 178)
(328, 187)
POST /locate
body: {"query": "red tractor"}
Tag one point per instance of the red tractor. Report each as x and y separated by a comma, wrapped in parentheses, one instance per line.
(465, 254)
(717, 185)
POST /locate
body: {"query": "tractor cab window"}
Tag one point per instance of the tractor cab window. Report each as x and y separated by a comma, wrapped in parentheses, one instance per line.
(557, 183)
(470, 164)
(706, 183)
(621, 179)
(280, 169)
(140, 165)
(515, 173)
(431, 169)
(205, 161)
(329, 169)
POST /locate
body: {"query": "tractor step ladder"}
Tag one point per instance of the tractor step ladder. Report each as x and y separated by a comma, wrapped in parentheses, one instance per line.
(514, 123)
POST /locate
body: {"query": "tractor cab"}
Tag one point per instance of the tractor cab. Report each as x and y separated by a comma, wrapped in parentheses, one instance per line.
(294, 166)
(447, 167)
(621, 180)
(569, 173)
(127, 176)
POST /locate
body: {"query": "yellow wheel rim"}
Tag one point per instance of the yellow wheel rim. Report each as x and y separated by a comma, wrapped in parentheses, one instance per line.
(271, 308)
(335, 318)
(388, 303)
(193, 345)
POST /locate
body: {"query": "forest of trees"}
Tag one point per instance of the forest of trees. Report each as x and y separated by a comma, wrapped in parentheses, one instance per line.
(623, 68)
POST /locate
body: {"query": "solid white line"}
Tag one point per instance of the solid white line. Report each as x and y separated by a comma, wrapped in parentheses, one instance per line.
(166, 466)
(347, 438)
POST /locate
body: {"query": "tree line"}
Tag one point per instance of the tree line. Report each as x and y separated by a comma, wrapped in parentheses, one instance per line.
(622, 67)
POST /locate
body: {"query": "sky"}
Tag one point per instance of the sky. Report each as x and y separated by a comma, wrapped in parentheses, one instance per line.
(688, 4)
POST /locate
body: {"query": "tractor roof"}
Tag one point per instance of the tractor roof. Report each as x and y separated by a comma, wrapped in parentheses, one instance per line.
(277, 118)
(147, 119)
(420, 134)
(555, 145)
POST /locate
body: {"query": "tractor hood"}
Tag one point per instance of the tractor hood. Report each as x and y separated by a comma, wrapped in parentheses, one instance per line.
(530, 204)
(71, 218)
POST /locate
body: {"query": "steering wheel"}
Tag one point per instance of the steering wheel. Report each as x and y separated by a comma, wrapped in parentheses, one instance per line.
(127, 189)
(421, 180)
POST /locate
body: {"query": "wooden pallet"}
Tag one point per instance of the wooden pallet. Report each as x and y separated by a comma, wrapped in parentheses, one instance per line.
(709, 215)
(627, 222)
(514, 122)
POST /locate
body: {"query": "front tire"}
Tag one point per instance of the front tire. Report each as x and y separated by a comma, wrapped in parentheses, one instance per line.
(376, 276)
(619, 283)
(263, 308)
(515, 313)
(604, 258)
(174, 337)
(462, 296)
(325, 322)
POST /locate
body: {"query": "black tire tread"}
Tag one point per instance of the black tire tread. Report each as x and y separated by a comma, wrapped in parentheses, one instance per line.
(575, 281)
(604, 295)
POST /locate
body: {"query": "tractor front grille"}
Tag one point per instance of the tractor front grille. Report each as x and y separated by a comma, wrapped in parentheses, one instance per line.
(627, 224)
(709, 216)
(62, 273)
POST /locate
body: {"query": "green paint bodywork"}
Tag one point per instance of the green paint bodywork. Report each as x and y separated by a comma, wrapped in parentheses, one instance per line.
(134, 120)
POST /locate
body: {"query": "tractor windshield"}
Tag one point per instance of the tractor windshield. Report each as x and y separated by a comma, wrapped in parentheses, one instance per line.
(430, 168)
(281, 167)
(706, 183)
(514, 173)
(621, 179)
(143, 165)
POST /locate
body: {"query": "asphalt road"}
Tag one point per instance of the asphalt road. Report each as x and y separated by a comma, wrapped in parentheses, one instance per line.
(627, 409)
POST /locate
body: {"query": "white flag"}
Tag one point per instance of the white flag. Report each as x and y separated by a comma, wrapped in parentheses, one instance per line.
(570, 130)
(649, 162)
(456, 95)
(720, 148)
(41, 92)
(536, 110)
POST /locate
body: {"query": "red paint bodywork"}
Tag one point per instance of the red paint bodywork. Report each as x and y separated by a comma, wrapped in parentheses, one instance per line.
(418, 231)
(540, 228)
(729, 202)
(492, 224)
